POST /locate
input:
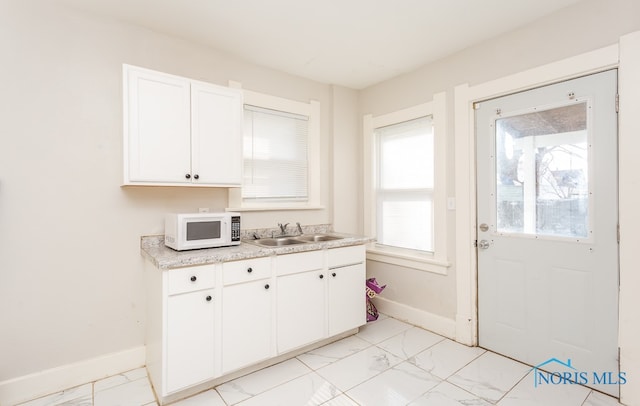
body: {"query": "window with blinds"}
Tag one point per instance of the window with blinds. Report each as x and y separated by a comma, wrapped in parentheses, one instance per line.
(405, 183)
(275, 155)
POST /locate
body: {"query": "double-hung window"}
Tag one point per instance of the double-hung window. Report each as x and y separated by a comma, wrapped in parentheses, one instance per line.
(405, 186)
(275, 155)
(281, 154)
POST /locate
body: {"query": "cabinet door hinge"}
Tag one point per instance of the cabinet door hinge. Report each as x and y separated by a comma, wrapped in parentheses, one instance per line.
(617, 102)
(618, 232)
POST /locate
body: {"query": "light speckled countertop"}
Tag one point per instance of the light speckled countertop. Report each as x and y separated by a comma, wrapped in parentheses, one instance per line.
(154, 250)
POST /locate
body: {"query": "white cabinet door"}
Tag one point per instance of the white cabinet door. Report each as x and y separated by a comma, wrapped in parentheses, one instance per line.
(347, 302)
(301, 310)
(246, 324)
(190, 339)
(216, 137)
(157, 127)
(180, 132)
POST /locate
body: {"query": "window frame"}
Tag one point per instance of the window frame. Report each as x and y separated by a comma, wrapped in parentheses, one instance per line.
(436, 261)
(311, 110)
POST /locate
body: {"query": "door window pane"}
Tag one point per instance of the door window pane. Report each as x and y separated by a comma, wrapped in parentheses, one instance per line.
(542, 172)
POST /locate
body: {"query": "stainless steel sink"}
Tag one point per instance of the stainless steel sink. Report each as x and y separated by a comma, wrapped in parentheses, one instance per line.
(277, 242)
(319, 237)
(291, 240)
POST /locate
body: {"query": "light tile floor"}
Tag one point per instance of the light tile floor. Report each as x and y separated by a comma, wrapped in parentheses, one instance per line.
(387, 363)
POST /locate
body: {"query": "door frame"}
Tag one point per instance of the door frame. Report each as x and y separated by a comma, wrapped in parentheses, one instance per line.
(623, 56)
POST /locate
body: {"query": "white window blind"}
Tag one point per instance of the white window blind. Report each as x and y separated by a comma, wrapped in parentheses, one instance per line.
(275, 155)
(404, 186)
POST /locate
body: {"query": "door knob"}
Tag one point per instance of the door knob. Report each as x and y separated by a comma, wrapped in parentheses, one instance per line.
(483, 244)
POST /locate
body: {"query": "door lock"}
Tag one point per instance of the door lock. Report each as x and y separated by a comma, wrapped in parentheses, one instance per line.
(484, 227)
(483, 244)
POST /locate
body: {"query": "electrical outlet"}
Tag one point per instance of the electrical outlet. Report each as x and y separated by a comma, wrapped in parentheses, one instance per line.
(203, 210)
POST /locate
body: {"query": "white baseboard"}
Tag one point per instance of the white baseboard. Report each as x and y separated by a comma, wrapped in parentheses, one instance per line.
(429, 321)
(53, 380)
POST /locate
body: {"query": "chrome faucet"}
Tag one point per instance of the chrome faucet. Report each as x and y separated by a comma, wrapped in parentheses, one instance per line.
(300, 232)
(283, 228)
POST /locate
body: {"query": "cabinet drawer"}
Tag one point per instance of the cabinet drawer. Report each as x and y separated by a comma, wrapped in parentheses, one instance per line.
(191, 279)
(300, 262)
(346, 256)
(246, 270)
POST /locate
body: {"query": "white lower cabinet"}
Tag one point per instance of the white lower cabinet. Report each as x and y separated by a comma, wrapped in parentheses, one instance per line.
(301, 304)
(347, 302)
(190, 339)
(181, 327)
(346, 279)
(210, 320)
(247, 313)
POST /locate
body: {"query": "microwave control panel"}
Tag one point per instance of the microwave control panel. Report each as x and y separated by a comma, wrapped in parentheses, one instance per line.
(235, 228)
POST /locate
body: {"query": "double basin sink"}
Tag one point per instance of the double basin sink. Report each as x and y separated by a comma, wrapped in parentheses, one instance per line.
(292, 240)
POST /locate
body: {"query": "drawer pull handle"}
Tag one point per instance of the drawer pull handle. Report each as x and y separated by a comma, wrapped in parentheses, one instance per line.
(321, 276)
(193, 278)
(209, 298)
(188, 176)
(249, 270)
(333, 274)
(266, 286)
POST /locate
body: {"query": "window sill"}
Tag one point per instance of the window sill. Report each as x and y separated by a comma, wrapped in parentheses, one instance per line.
(274, 208)
(421, 262)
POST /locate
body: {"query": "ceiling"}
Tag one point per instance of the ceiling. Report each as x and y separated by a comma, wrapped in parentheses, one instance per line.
(352, 43)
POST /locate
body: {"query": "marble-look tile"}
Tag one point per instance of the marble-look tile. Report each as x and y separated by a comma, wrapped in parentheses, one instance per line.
(208, 398)
(490, 376)
(446, 357)
(525, 393)
(410, 342)
(77, 396)
(394, 387)
(309, 389)
(446, 394)
(260, 381)
(115, 380)
(357, 368)
(342, 400)
(134, 392)
(333, 352)
(600, 399)
(382, 329)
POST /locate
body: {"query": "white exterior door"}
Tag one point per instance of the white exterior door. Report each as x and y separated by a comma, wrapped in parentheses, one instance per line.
(547, 227)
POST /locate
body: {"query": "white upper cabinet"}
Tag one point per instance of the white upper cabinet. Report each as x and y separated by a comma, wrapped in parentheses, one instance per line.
(180, 132)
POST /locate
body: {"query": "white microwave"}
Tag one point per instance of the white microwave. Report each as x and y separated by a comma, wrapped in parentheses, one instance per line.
(189, 231)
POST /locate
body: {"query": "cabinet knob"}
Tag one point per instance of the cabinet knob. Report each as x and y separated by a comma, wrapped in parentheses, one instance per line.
(196, 176)
(193, 278)
(249, 270)
(266, 286)
(321, 276)
(333, 274)
(188, 176)
(208, 298)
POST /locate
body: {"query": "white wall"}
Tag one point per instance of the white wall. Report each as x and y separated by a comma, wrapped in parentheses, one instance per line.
(70, 265)
(346, 163)
(586, 26)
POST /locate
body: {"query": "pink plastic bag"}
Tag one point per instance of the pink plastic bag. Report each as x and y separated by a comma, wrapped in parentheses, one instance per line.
(372, 289)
